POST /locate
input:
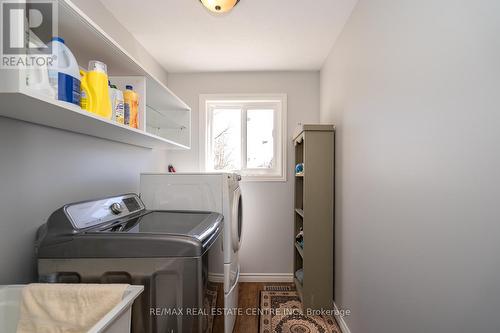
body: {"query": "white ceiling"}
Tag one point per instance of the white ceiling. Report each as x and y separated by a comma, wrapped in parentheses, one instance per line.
(257, 35)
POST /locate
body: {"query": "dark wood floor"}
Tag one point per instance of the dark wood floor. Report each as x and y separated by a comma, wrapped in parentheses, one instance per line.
(249, 295)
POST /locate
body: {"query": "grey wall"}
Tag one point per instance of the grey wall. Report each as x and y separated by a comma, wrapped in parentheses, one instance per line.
(268, 206)
(414, 89)
(42, 168)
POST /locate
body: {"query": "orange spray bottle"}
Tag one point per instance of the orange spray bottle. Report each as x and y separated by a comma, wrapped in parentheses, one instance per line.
(131, 99)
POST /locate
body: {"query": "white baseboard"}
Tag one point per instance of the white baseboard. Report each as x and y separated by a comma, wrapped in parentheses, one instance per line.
(340, 320)
(266, 277)
(255, 277)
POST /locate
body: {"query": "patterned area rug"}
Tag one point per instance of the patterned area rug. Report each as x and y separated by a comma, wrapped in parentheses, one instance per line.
(210, 301)
(281, 312)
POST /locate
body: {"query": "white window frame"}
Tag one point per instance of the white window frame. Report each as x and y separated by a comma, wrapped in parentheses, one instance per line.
(248, 101)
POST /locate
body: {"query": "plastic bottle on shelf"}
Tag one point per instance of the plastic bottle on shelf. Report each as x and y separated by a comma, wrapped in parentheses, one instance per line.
(37, 80)
(63, 72)
(117, 104)
(85, 91)
(131, 107)
(95, 90)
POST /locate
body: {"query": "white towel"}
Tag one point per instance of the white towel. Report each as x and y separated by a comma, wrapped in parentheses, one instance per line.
(66, 308)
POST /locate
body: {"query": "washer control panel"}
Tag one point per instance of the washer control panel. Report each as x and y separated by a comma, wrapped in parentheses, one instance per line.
(90, 213)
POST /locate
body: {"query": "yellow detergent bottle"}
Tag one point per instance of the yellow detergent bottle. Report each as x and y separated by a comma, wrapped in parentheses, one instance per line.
(95, 88)
(85, 92)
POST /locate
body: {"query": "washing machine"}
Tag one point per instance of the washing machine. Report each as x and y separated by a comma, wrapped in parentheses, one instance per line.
(117, 240)
(217, 192)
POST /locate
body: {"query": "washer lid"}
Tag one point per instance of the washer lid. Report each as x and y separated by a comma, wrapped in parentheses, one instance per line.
(153, 234)
(194, 224)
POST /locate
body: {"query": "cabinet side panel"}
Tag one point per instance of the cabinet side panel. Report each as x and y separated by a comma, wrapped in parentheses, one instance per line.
(319, 219)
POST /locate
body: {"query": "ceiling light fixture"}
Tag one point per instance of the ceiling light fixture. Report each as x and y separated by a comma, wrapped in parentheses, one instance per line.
(219, 6)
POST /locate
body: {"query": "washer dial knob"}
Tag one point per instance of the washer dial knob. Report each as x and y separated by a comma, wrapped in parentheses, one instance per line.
(116, 208)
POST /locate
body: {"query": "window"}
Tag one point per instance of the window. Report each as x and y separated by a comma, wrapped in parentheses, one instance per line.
(245, 134)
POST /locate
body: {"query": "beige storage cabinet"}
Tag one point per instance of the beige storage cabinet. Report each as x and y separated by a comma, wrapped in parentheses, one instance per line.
(314, 212)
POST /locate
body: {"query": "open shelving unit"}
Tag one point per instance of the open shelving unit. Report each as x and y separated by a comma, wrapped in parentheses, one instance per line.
(165, 120)
(300, 250)
(314, 214)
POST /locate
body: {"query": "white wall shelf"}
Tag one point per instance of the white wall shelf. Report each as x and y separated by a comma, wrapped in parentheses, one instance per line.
(169, 126)
(40, 110)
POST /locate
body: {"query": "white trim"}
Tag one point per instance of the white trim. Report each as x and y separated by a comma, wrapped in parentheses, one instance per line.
(255, 277)
(204, 133)
(340, 320)
(266, 277)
